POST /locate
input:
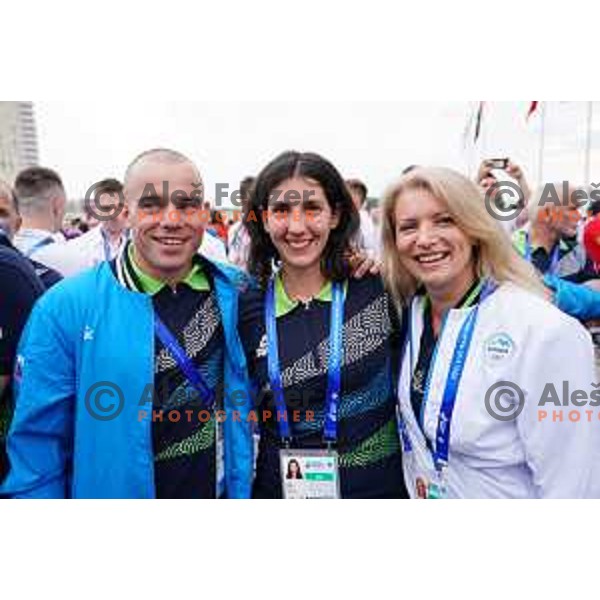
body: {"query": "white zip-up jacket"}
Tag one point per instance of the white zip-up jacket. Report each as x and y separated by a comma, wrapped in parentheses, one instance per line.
(522, 339)
(88, 251)
(77, 255)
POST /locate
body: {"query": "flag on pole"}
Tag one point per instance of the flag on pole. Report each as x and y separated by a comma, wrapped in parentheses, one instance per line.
(479, 121)
(533, 108)
(474, 124)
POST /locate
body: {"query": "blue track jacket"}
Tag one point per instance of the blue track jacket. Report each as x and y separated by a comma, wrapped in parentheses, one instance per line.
(87, 331)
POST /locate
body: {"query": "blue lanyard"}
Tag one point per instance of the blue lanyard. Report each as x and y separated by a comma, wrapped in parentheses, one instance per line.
(404, 337)
(553, 261)
(184, 362)
(107, 249)
(334, 376)
(457, 367)
(39, 245)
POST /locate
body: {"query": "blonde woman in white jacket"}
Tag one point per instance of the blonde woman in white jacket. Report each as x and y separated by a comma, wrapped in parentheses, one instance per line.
(488, 360)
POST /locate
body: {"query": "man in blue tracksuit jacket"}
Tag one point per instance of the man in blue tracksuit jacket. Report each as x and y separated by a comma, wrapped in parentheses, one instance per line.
(103, 402)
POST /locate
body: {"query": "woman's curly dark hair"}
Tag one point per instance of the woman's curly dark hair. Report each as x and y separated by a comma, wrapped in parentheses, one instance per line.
(334, 262)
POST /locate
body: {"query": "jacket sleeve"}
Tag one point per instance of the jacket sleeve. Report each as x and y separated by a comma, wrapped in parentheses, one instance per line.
(562, 443)
(239, 446)
(576, 300)
(39, 444)
(238, 403)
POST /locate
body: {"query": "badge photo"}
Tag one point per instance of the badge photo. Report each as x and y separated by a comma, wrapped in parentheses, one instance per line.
(422, 488)
(310, 475)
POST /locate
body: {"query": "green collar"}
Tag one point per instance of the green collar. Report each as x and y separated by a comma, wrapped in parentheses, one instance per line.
(285, 305)
(468, 300)
(195, 279)
(472, 296)
(563, 245)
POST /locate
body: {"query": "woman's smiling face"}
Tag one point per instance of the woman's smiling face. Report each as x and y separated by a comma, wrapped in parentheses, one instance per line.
(300, 221)
(431, 246)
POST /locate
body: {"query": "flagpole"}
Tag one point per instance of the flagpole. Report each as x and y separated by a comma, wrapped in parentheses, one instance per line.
(542, 149)
(468, 145)
(485, 134)
(480, 135)
(588, 148)
(471, 137)
(472, 161)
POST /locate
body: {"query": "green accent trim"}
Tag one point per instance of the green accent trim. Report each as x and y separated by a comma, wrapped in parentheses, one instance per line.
(566, 246)
(319, 477)
(200, 441)
(196, 279)
(472, 298)
(468, 302)
(379, 446)
(520, 242)
(285, 305)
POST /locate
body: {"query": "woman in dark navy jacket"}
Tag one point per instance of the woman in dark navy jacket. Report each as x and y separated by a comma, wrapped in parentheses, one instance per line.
(333, 341)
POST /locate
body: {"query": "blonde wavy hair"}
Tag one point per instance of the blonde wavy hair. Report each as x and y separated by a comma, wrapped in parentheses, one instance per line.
(495, 256)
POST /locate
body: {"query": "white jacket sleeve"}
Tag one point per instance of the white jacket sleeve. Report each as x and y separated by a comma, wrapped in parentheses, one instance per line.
(369, 236)
(562, 443)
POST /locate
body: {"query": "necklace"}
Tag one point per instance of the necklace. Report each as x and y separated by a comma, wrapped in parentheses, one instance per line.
(306, 303)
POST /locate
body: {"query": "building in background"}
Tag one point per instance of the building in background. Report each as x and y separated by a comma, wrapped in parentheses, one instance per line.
(18, 138)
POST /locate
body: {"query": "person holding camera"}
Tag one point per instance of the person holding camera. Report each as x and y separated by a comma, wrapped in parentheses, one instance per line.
(493, 172)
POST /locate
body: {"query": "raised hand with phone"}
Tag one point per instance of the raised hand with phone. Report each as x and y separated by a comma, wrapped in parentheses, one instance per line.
(494, 170)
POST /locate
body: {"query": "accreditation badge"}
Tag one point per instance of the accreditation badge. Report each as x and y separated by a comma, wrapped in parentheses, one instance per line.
(429, 485)
(421, 474)
(435, 491)
(310, 475)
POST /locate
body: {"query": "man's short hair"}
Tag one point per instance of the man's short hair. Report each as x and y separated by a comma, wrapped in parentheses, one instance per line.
(7, 192)
(158, 155)
(36, 185)
(109, 186)
(356, 185)
(246, 187)
(15, 200)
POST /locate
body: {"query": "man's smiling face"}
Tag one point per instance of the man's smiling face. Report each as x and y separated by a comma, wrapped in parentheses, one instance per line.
(167, 231)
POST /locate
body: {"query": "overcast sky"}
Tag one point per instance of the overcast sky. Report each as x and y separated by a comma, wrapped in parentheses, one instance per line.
(88, 141)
